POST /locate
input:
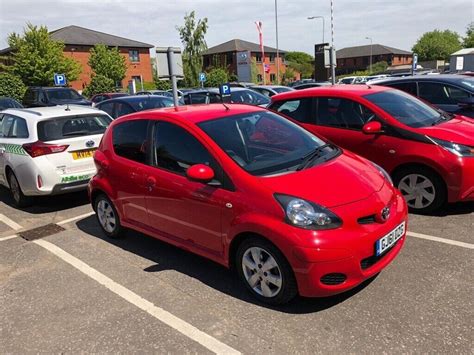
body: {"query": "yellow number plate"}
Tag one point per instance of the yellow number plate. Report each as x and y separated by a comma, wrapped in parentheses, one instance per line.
(81, 154)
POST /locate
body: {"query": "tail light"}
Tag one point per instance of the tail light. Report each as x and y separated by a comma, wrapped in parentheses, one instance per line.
(37, 149)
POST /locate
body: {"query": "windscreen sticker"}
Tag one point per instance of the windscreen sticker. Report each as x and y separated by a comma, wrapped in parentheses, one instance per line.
(74, 178)
(13, 149)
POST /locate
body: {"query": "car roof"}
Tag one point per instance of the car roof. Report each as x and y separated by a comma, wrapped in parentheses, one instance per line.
(453, 78)
(198, 113)
(356, 90)
(44, 113)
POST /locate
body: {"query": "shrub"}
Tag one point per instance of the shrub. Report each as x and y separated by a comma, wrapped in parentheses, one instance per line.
(98, 85)
(11, 86)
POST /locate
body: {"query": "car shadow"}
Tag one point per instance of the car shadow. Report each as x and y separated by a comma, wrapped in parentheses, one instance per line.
(452, 209)
(168, 257)
(47, 204)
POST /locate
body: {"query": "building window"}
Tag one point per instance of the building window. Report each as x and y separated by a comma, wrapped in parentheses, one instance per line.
(272, 78)
(229, 59)
(258, 57)
(272, 58)
(259, 78)
(134, 55)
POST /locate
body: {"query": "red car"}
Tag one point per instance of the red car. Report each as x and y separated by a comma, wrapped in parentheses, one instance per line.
(251, 190)
(429, 153)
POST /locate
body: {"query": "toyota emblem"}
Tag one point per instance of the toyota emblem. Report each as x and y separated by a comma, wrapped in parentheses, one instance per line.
(385, 214)
(90, 144)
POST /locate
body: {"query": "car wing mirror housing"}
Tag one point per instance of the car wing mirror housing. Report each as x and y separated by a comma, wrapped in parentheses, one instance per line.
(200, 172)
(373, 127)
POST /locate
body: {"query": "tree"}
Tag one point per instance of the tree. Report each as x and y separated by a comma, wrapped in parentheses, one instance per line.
(437, 44)
(301, 62)
(253, 70)
(36, 57)
(216, 77)
(192, 36)
(98, 85)
(379, 67)
(107, 62)
(11, 86)
(288, 76)
(469, 39)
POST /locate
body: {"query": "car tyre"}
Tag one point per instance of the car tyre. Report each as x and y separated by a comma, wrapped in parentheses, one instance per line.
(107, 217)
(265, 271)
(423, 189)
(19, 199)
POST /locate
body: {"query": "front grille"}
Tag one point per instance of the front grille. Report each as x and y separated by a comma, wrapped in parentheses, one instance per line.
(333, 279)
(366, 220)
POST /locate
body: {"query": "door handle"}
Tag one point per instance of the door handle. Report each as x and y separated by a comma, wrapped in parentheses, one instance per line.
(151, 182)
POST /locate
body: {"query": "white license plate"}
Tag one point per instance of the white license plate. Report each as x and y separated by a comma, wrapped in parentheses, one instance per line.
(385, 243)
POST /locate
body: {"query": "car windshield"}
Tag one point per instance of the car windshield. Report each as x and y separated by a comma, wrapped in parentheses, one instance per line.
(63, 94)
(281, 89)
(72, 126)
(405, 108)
(264, 143)
(347, 81)
(151, 102)
(248, 97)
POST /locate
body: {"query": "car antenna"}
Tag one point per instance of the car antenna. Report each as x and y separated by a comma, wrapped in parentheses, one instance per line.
(368, 86)
(67, 107)
(223, 103)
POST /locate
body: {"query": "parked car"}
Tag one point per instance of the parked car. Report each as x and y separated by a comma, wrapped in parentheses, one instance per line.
(451, 93)
(247, 188)
(376, 77)
(181, 91)
(8, 102)
(48, 150)
(238, 95)
(311, 85)
(40, 96)
(156, 92)
(106, 96)
(429, 154)
(270, 90)
(240, 84)
(128, 104)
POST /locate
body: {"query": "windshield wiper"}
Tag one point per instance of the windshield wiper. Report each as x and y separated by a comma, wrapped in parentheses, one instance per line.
(307, 159)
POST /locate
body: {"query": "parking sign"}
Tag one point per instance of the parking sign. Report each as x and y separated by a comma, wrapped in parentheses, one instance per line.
(202, 77)
(59, 79)
(224, 89)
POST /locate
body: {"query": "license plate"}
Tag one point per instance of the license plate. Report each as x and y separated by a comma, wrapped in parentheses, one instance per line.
(81, 154)
(385, 243)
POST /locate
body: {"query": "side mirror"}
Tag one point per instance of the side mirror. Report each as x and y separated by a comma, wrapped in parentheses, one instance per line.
(373, 127)
(200, 172)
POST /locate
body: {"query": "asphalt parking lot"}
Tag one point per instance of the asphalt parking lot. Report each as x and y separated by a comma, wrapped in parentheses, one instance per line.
(76, 291)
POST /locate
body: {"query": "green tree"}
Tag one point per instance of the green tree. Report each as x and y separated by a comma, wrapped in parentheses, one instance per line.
(437, 45)
(301, 62)
(469, 39)
(253, 71)
(299, 57)
(192, 36)
(107, 62)
(216, 77)
(163, 84)
(11, 86)
(98, 85)
(36, 57)
(288, 76)
(379, 67)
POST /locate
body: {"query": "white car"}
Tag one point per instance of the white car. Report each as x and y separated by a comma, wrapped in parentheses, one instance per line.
(48, 150)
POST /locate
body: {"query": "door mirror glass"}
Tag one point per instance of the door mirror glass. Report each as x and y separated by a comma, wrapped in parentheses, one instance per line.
(373, 127)
(200, 172)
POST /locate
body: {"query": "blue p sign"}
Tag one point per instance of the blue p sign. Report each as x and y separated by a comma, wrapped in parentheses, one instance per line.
(60, 79)
(224, 89)
(202, 77)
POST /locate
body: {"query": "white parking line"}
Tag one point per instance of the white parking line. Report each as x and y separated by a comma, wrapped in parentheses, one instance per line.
(9, 237)
(9, 222)
(85, 215)
(441, 240)
(169, 319)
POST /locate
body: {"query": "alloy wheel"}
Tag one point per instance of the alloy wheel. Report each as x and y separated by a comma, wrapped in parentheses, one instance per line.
(418, 190)
(106, 216)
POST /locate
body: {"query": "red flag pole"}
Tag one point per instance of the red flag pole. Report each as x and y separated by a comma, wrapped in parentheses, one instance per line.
(260, 36)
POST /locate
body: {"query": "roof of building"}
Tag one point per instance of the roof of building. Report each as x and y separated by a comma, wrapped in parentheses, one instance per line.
(76, 35)
(239, 45)
(364, 51)
(464, 51)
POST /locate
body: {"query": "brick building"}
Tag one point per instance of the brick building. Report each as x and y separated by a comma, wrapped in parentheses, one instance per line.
(79, 40)
(352, 59)
(234, 53)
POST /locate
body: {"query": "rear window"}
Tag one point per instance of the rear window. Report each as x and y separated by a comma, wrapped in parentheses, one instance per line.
(151, 102)
(72, 126)
(63, 94)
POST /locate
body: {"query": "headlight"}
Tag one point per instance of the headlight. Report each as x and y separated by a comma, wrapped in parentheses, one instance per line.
(383, 172)
(457, 149)
(308, 215)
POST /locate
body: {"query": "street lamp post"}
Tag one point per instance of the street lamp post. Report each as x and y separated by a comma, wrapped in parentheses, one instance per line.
(278, 52)
(370, 65)
(333, 51)
(316, 17)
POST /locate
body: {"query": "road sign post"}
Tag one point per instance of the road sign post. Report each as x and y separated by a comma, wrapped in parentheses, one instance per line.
(60, 79)
(202, 78)
(224, 91)
(414, 64)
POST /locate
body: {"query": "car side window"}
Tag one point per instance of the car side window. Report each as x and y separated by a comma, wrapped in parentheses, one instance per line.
(441, 94)
(8, 123)
(1, 126)
(300, 110)
(130, 140)
(176, 150)
(342, 113)
(19, 128)
(108, 107)
(407, 87)
(123, 108)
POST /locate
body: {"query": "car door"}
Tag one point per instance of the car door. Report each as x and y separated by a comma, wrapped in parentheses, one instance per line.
(128, 168)
(186, 211)
(444, 96)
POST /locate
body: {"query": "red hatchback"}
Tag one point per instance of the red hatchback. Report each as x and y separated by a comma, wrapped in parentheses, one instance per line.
(251, 190)
(429, 153)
